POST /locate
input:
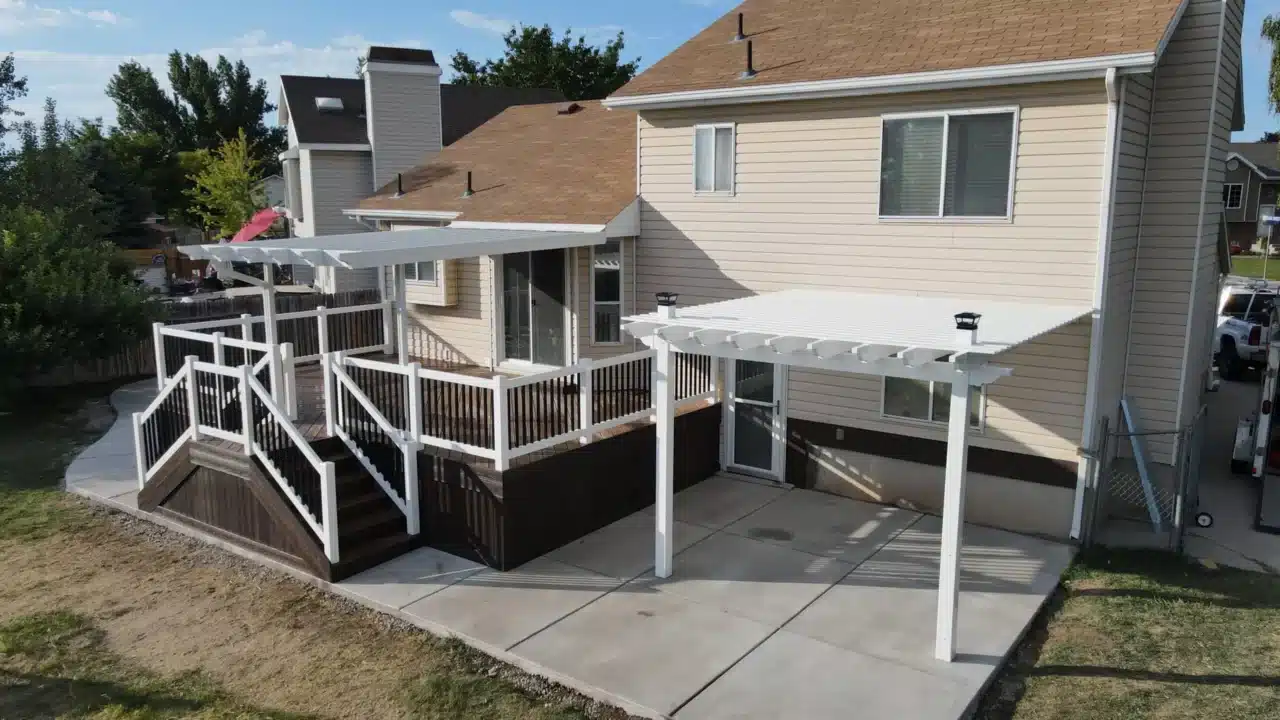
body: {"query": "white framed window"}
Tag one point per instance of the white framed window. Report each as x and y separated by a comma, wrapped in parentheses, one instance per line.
(928, 402)
(423, 272)
(714, 151)
(606, 293)
(954, 164)
(1233, 195)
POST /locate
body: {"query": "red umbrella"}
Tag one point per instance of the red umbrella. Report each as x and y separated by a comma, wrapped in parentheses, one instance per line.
(257, 225)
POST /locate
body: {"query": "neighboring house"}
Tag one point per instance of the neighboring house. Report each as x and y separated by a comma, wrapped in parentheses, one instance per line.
(349, 136)
(1042, 152)
(1249, 190)
(563, 166)
(273, 190)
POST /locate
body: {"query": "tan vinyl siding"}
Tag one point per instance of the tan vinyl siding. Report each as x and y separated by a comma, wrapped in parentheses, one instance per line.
(581, 284)
(805, 215)
(1131, 166)
(461, 334)
(404, 122)
(1172, 226)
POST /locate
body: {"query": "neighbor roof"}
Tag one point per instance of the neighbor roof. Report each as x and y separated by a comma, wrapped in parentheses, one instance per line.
(462, 108)
(341, 128)
(1261, 157)
(811, 40)
(529, 164)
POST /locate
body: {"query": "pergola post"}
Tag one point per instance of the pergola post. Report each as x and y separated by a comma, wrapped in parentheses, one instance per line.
(664, 401)
(402, 316)
(952, 518)
(270, 335)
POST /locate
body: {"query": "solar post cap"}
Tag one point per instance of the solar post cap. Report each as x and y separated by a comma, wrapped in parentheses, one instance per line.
(967, 321)
(667, 299)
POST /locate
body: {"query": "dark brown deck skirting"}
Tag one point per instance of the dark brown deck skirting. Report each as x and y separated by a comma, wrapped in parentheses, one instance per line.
(804, 437)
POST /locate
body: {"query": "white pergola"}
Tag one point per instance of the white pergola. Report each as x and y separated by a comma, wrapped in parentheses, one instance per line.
(926, 338)
(393, 248)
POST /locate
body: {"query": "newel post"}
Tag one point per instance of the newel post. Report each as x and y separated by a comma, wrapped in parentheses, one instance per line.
(157, 339)
(246, 328)
(329, 510)
(501, 443)
(411, 448)
(290, 362)
(246, 408)
(193, 409)
(586, 391)
(326, 368)
(137, 450)
(322, 329)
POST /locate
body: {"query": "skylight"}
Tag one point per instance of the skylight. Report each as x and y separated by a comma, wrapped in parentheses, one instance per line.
(329, 104)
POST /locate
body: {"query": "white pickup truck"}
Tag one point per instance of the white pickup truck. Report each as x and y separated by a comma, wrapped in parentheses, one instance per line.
(1244, 317)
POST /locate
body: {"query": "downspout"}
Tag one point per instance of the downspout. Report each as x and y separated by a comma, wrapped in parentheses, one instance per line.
(1106, 205)
(1195, 259)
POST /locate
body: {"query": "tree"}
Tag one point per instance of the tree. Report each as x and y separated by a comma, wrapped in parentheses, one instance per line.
(1270, 137)
(65, 296)
(534, 58)
(209, 104)
(1271, 32)
(224, 195)
(45, 174)
(12, 87)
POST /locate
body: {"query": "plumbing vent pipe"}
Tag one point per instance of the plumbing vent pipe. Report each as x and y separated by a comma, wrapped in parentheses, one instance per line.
(750, 72)
(740, 36)
(468, 192)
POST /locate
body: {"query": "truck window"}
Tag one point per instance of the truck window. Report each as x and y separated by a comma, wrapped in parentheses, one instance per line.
(1260, 310)
(1237, 305)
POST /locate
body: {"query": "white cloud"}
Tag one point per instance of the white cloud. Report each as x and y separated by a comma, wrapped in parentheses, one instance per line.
(483, 23)
(21, 16)
(77, 81)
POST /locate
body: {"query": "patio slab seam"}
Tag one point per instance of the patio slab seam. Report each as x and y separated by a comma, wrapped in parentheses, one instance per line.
(782, 626)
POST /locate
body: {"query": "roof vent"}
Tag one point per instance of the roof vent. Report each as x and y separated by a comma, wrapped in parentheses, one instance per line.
(468, 192)
(329, 104)
(750, 72)
(568, 109)
(399, 186)
(740, 36)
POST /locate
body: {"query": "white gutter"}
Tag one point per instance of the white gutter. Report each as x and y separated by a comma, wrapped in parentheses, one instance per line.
(376, 214)
(1017, 73)
(1195, 258)
(1102, 270)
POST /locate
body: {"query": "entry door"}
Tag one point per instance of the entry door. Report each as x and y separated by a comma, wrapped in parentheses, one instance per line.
(533, 307)
(755, 432)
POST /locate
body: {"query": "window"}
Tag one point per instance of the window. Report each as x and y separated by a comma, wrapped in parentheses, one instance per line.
(423, 272)
(606, 292)
(926, 401)
(713, 161)
(957, 164)
(1233, 195)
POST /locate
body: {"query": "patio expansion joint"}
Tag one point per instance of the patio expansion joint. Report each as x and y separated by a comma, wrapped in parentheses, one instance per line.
(782, 626)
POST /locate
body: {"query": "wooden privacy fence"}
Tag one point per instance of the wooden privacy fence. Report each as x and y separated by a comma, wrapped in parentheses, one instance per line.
(139, 359)
(503, 418)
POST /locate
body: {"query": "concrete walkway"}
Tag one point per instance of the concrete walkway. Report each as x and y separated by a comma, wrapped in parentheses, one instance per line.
(784, 603)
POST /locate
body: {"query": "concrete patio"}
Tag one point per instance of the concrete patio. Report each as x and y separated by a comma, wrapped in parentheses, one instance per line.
(783, 603)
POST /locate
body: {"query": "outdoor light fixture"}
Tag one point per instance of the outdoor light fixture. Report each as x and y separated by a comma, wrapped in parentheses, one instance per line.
(967, 328)
(667, 304)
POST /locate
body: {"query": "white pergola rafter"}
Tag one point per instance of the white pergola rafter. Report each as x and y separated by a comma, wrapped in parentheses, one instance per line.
(913, 337)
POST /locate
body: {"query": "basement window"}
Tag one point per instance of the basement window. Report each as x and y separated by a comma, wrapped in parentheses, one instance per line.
(956, 164)
(927, 402)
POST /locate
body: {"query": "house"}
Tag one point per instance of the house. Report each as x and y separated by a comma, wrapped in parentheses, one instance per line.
(274, 193)
(349, 136)
(1249, 190)
(914, 253)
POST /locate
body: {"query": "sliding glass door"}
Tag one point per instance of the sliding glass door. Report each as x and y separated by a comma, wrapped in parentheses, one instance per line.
(533, 313)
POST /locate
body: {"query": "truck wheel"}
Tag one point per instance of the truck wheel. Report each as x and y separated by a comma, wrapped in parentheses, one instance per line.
(1240, 467)
(1204, 520)
(1229, 360)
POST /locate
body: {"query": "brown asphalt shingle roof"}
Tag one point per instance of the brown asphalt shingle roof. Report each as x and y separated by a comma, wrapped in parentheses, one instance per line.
(808, 40)
(530, 164)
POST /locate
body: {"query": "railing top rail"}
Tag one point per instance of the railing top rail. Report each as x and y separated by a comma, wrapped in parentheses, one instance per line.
(546, 375)
(468, 380)
(208, 338)
(303, 446)
(233, 372)
(169, 386)
(379, 365)
(315, 312)
(621, 359)
(209, 324)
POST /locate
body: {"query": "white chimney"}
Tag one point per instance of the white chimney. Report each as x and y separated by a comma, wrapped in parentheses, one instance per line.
(402, 108)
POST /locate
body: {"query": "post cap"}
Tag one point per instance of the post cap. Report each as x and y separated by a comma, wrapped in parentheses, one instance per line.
(667, 299)
(967, 321)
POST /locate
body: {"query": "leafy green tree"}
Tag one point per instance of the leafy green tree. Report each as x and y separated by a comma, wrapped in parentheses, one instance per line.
(209, 104)
(224, 195)
(12, 87)
(65, 296)
(45, 174)
(534, 58)
(1271, 32)
(1270, 137)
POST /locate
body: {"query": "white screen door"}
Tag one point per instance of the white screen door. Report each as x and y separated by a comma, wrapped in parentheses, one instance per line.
(755, 431)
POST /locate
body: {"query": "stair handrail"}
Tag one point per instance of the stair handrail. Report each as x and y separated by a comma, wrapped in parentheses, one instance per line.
(145, 473)
(404, 441)
(326, 526)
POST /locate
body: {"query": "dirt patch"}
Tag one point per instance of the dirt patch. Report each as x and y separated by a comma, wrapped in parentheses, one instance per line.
(174, 605)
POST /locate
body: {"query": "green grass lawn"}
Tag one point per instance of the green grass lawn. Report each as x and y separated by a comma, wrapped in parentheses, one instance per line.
(1251, 266)
(109, 652)
(1135, 634)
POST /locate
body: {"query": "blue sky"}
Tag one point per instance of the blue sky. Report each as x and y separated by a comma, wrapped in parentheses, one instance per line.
(69, 49)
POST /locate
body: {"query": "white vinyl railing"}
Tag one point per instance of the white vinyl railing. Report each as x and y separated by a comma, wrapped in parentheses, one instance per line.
(503, 418)
(160, 429)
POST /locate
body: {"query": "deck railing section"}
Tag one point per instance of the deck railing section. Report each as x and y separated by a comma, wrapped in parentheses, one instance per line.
(162, 427)
(387, 452)
(503, 418)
